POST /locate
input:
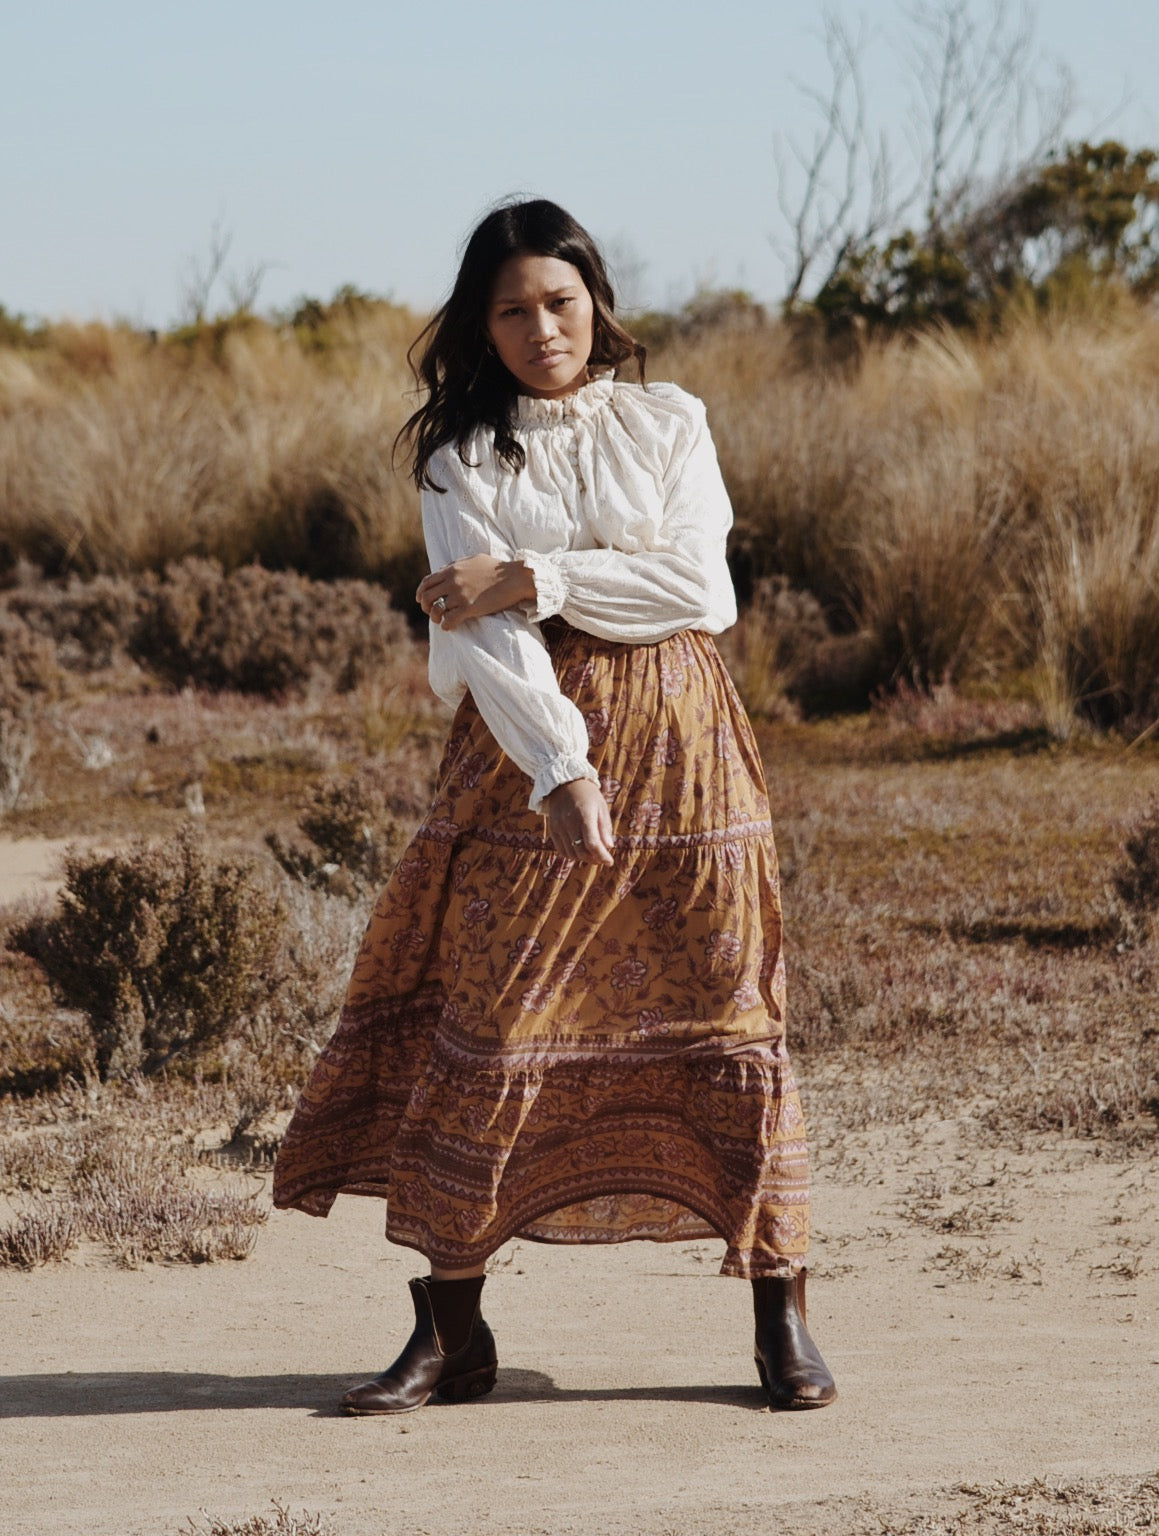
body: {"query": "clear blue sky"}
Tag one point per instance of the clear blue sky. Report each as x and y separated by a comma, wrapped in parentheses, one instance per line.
(357, 140)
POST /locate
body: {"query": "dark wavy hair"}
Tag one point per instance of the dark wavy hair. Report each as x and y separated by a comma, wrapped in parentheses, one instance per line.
(466, 385)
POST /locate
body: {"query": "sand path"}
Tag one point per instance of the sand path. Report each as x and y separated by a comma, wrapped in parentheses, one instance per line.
(626, 1402)
(30, 866)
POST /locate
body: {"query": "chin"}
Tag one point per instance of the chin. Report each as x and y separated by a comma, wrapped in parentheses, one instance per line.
(552, 384)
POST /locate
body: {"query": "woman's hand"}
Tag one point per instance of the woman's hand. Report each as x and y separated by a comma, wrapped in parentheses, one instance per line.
(469, 588)
(579, 822)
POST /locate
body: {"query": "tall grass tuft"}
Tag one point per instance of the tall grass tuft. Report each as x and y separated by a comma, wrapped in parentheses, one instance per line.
(923, 564)
(1096, 590)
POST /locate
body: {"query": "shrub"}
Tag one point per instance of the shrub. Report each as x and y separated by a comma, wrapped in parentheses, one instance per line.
(41, 1236)
(772, 648)
(37, 1162)
(356, 840)
(163, 947)
(1136, 878)
(17, 330)
(90, 622)
(262, 631)
(262, 1066)
(162, 1219)
(28, 662)
(1082, 218)
(939, 716)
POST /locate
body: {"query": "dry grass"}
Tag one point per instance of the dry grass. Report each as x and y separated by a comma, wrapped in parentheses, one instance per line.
(1108, 1506)
(124, 1168)
(973, 507)
(969, 508)
(144, 454)
(954, 941)
(280, 1523)
(953, 927)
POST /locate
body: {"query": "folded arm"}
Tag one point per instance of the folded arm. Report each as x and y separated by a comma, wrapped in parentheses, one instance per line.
(500, 657)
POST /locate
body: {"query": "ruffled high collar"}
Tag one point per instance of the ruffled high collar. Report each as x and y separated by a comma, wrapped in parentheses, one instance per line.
(582, 403)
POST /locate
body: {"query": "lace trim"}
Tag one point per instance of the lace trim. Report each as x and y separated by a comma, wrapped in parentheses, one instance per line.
(550, 587)
(582, 403)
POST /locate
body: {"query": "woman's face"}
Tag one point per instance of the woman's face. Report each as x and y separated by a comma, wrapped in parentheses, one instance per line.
(540, 321)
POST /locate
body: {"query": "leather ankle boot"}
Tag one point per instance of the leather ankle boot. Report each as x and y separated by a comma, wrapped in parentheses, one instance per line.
(790, 1366)
(451, 1352)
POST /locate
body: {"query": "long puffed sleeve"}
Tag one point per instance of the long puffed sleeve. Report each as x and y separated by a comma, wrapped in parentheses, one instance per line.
(679, 580)
(501, 657)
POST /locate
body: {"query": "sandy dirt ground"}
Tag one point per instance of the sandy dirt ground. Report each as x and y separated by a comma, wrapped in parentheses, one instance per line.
(30, 866)
(989, 1316)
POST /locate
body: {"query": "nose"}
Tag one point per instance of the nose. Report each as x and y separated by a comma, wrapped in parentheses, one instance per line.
(545, 325)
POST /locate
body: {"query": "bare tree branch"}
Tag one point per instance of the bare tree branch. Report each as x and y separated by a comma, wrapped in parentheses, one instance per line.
(820, 216)
(243, 287)
(982, 113)
(202, 274)
(979, 87)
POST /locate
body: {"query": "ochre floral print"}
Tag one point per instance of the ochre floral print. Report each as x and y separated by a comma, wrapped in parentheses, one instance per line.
(538, 1046)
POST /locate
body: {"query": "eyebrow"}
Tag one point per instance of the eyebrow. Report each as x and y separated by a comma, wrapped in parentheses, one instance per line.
(520, 298)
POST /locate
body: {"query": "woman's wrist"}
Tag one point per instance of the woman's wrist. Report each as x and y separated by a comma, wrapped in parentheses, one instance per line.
(523, 576)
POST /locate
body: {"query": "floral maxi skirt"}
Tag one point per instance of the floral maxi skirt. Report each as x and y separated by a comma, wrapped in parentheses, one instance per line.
(541, 1047)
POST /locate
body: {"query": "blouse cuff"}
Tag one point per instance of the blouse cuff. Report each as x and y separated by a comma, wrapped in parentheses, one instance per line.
(550, 587)
(561, 771)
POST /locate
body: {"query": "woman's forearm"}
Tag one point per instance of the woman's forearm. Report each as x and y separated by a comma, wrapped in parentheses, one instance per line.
(474, 586)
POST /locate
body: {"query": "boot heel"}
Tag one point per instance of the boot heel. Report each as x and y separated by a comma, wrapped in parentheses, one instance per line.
(472, 1384)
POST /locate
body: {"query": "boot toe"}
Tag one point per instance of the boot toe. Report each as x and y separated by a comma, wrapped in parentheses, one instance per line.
(801, 1393)
(376, 1397)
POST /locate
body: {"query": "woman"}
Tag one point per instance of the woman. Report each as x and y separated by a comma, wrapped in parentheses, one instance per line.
(566, 1020)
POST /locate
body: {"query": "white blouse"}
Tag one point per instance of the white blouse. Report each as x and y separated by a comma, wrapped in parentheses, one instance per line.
(621, 514)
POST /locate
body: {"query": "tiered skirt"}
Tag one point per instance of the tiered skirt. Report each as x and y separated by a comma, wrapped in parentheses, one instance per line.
(541, 1047)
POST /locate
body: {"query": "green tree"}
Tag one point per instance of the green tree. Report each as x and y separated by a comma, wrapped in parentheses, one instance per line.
(1084, 218)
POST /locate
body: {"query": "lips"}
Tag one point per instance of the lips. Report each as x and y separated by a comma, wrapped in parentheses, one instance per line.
(547, 359)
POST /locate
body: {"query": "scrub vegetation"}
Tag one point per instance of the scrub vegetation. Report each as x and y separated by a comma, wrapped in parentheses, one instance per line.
(213, 682)
(281, 1523)
(971, 912)
(947, 507)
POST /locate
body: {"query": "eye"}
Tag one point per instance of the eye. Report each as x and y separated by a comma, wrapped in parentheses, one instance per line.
(562, 303)
(505, 314)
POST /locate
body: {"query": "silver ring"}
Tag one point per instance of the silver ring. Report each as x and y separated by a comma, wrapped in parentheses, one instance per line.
(439, 604)
(576, 841)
